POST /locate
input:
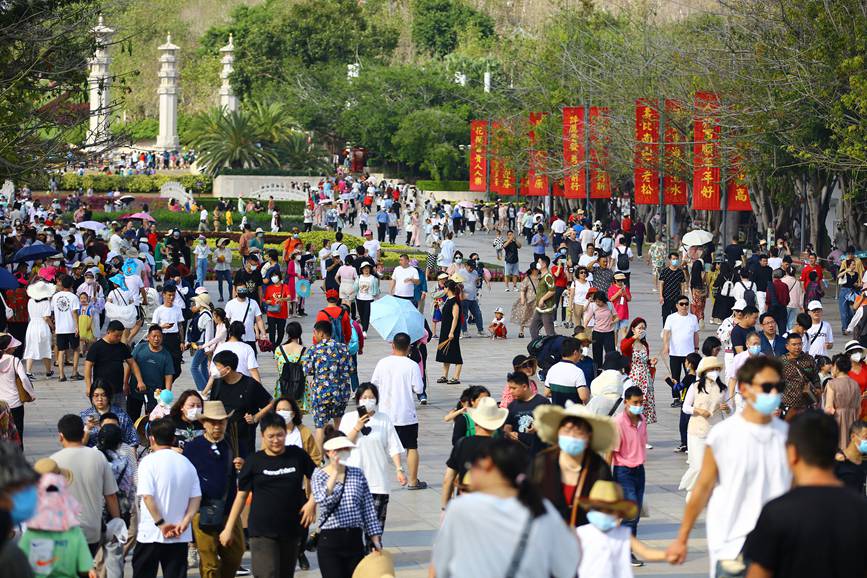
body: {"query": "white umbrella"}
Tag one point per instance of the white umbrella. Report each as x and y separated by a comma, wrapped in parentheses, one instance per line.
(696, 238)
(91, 225)
(466, 204)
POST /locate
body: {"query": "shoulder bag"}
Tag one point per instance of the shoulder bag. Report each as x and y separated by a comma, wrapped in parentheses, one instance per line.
(212, 512)
(23, 394)
(313, 540)
(518, 555)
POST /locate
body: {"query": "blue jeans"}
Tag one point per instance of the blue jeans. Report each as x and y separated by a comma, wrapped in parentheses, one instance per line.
(201, 272)
(468, 306)
(791, 315)
(199, 369)
(846, 312)
(632, 482)
(227, 277)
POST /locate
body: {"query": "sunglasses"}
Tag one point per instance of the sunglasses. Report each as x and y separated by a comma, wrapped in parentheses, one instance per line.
(770, 386)
(683, 304)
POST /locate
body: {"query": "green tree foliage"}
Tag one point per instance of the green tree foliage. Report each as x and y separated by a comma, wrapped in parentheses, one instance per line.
(438, 24)
(422, 131)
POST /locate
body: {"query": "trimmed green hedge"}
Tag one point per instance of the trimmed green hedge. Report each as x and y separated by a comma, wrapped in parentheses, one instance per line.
(190, 222)
(133, 184)
(443, 185)
(268, 172)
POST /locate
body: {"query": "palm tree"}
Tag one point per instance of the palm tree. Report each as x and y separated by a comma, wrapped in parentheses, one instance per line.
(297, 153)
(231, 140)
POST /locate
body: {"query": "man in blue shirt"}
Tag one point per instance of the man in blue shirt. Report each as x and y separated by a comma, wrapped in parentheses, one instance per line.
(772, 343)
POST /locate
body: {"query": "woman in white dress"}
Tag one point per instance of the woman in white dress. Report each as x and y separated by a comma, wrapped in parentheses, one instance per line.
(37, 343)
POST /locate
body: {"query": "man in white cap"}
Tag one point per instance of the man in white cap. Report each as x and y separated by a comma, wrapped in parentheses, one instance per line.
(820, 336)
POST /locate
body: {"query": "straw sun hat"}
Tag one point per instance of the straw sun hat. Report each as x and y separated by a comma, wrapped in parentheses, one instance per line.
(547, 420)
(488, 414)
(609, 495)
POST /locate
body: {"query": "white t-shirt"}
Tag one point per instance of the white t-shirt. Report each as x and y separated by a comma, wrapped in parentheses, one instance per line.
(751, 471)
(817, 336)
(617, 252)
(324, 252)
(682, 328)
(565, 374)
(63, 304)
(558, 227)
(203, 215)
(480, 534)
(246, 356)
(586, 237)
(373, 248)
(447, 252)
(341, 249)
(400, 275)
(235, 311)
(134, 285)
(579, 297)
(398, 378)
(585, 260)
(373, 452)
(172, 481)
(163, 314)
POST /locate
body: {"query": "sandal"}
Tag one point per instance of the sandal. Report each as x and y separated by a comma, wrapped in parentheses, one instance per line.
(419, 485)
(454, 381)
(443, 379)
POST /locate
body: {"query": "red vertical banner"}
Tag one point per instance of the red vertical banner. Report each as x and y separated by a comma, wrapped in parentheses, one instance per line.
(706, 153)
(598, 126)
(478, 155)
(537, 181)
(502, 177)
(646, 173)
(673, 159)
(738, 192)
(574, 162)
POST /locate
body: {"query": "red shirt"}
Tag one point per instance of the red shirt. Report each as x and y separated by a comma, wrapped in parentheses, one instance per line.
(334, 311)
(805, 273)
(626, 225)
(273, 291)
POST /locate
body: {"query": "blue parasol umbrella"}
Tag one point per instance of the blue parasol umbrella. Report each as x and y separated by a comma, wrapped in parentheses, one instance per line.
(302, 287)
(33, 252)
(8, 280)
(391, 315)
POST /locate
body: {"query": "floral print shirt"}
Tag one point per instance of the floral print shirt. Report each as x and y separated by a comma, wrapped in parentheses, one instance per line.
(328, 367)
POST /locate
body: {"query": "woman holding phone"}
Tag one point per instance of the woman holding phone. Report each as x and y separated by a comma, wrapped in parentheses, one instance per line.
(377, 448)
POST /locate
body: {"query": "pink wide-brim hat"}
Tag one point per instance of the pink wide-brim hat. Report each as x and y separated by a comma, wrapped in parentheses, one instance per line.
(56, 511)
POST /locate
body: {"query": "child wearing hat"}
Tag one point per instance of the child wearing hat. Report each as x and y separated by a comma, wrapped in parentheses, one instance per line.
(497, 328)
(606, 545)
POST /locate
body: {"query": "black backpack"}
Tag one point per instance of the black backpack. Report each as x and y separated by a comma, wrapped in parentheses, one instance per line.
(292, 379)
(623, 260)
(194, 334)
(547, 351)
(749, 295)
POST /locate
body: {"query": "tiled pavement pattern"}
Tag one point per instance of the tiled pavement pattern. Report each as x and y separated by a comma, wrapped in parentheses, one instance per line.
(413, 517)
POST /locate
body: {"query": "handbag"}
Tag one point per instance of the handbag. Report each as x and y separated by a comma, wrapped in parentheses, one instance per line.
(9, 312)
(23, 394)
(313, 539)
(212, 512)
(126, 313)
(735, 568)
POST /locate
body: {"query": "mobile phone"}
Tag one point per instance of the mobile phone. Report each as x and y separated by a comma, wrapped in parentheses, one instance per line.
(362, 411)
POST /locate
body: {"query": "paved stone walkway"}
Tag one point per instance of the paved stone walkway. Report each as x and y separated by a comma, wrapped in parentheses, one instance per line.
(413, 517)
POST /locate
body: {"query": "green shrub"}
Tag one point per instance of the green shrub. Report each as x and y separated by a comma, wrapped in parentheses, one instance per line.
(102, 182)
(443, 185)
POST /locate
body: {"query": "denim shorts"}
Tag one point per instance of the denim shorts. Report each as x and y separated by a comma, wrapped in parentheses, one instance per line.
(512, 269)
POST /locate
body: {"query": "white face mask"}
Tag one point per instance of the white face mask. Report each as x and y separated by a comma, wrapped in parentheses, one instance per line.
(712, 375)
(856, 357)
(368, 404)
(586, 351)
(275, 279)
(343, 456)
(539, 266)
(193, 413)
(215, 373)
(286, 414)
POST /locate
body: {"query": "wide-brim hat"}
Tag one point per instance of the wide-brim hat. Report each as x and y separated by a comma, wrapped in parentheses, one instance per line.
(48, 466)
(609, 495)
(708, 363)
(41, 290)
(365, 264)
(375, 566)
(13, 343)
(338, 443)
(852, 347)
(203, 300)
(48, 273)
(223, 241)
(547, 420)
(131, 253)
(488, 414)
(214, 410)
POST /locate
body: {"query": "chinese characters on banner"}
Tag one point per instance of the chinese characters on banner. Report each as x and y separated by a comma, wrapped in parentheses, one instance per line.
(673, 159)
(600, 181)
(537, 181)
(575, 179)
(738, 192)
(646, 153)
(706, 154)
(502, 177)
(478, 155)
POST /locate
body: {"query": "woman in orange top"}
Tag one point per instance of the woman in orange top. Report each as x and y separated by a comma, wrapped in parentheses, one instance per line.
(858, 372)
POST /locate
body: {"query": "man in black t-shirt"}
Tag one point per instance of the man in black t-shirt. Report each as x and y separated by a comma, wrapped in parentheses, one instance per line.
(851, 466)
(734, 252)
(109, 362)
(250, 276)
(672, 284)
(510, 256)
(745, 325)
(242, 395)
(818, 527)
(520, 425)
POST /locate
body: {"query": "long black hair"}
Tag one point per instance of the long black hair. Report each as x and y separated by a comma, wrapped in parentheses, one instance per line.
(512, 460)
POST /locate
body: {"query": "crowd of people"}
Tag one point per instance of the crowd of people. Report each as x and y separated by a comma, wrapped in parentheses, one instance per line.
(546, 479)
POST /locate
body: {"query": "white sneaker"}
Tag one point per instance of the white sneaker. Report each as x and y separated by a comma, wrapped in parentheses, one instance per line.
(507, 289)
(648, 446)
(193, 558)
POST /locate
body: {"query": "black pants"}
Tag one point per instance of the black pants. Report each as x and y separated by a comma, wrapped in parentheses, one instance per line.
(274, 557)
(18, 419)
(603, 342)
(172, 558)
(380, 231)
(676, 370)
(134, 405)
(172, 343)
(364, 312)
(684, 422)
(253, 345)
(392, 234)
(668, 307)
(339, 552)
(559, 297)
(276, 330)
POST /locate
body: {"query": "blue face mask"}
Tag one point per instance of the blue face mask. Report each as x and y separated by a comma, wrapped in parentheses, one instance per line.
(24, 504)
(602, 521)
(755, 349)
(767, 403)
(862, 447)
(572, 446)
(636, 409)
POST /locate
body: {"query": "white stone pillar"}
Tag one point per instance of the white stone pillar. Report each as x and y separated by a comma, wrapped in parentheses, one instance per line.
(99, 82)
(167, 139)
(228, 100)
